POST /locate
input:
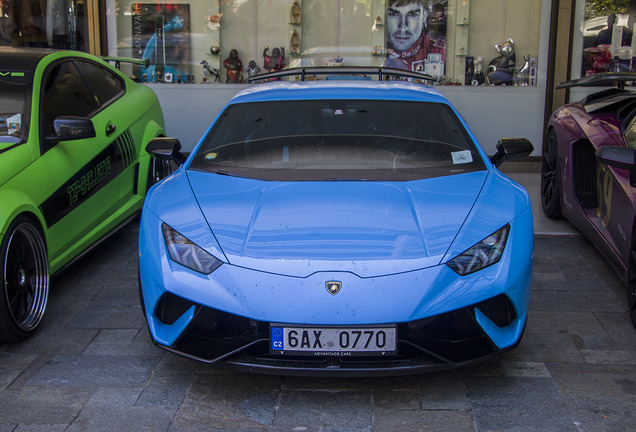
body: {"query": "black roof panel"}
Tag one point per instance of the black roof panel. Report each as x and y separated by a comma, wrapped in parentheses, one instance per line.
(21, 59)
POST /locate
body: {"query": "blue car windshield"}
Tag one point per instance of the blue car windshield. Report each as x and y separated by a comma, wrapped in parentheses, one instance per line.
(313, 140)
(13, 101)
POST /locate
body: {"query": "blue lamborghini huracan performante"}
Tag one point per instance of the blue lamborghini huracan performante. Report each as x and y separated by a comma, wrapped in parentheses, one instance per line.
(337, 227)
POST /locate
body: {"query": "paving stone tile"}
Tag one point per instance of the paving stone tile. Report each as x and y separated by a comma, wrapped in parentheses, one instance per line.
(423, 420)
(595, 379)
(40, 428)
(229, 401)
(42, 405)
(113, 396)
(544, 347)
(517, 404)
(54, 340)
(609, 357)
(525, 369)
(117, 419)
(543, 265)
(576, 286)
(174, 362)
(123, 342)
(595, 342)
(396, 399)
(609, 414)
(121, 290)
(561, 322)
(7, 376)
(345, 409)
(541, 278)
(443, 391)
(10, 360)
(95, 371)
(341, 384)
(166, 389)
(620, 328)
(489, 367)
(61, 310)
(568, 302)
(109, 317)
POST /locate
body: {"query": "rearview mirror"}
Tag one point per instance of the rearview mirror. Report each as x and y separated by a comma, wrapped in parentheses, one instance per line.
(511, 149)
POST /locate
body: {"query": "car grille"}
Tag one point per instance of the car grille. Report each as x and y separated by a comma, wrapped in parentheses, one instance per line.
(438, 342)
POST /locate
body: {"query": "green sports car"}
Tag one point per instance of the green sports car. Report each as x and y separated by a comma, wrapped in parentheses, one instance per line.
(73, 168)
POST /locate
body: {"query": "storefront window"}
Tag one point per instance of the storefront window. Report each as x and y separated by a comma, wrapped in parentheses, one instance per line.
(458, 42)
(44, 24)
(606, 36)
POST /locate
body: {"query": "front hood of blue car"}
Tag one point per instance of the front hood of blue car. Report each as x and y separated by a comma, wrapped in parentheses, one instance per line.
(274, 226)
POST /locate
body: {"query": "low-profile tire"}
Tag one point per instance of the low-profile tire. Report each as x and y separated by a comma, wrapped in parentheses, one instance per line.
(631, 301)
(630, 281)
(550, 180)
(159, 170)
(24, 270)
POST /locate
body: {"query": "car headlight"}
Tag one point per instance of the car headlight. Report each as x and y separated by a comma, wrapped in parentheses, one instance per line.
(186, 253)
(485, 253)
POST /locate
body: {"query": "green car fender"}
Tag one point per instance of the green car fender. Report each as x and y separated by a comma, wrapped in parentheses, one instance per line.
(14, 159)
(21, 203)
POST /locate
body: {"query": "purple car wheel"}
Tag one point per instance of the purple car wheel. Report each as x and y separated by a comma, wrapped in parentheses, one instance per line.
(550, 187)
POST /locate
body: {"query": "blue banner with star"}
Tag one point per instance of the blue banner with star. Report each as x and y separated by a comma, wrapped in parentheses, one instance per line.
(161, 34)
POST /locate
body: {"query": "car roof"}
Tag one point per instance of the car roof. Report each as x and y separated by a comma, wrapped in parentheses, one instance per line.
(21, 59)
(339, 89)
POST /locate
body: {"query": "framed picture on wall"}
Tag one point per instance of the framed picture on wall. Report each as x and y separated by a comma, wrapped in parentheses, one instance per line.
(161, 34)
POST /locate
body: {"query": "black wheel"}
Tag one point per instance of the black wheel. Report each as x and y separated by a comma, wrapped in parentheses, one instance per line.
(158, 171)
(630, 281)
(550, 182)
(631, 302)
(25, 280)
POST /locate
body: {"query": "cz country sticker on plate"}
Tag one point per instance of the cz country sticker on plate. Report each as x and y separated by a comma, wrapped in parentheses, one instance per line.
(333, 341)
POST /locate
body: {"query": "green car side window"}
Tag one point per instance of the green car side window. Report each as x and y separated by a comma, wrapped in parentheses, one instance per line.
(107, 86)
(65, 94)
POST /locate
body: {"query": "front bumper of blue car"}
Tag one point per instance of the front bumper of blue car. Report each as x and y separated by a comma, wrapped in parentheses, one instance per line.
(442, 320)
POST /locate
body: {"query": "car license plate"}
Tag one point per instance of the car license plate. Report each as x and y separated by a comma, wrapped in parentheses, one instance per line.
(333, 341)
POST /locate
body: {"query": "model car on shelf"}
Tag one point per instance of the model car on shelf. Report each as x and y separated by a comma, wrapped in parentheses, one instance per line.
(73, 167)
(340, 226)
(589, 170)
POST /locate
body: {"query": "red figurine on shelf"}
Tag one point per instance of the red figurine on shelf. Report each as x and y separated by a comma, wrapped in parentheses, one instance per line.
(276, 61)
(234, 68)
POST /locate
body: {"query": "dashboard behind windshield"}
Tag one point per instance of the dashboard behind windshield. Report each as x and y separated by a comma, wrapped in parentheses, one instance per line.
(376, 140)
(13, 102)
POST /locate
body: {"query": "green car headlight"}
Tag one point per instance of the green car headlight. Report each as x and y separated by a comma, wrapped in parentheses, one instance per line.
(485, 253)
(186, 253)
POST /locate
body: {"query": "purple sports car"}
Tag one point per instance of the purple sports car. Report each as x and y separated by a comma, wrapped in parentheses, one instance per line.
(589, 170)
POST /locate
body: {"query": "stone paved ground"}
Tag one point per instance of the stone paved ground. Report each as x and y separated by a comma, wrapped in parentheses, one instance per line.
(92, 367)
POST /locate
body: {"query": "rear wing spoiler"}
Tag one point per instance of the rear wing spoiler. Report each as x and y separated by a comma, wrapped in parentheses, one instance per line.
(345, 72)
(601, 79)
(118, 60)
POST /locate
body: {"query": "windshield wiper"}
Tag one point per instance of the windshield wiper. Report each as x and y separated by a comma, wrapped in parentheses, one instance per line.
(225, 173)
(344, 179)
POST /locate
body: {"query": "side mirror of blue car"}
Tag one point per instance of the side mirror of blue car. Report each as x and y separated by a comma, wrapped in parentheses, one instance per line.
(166, 149)
(511, 149)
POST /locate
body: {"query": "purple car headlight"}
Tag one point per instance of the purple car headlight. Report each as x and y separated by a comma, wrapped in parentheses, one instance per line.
(186, 253)
(485, 253)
